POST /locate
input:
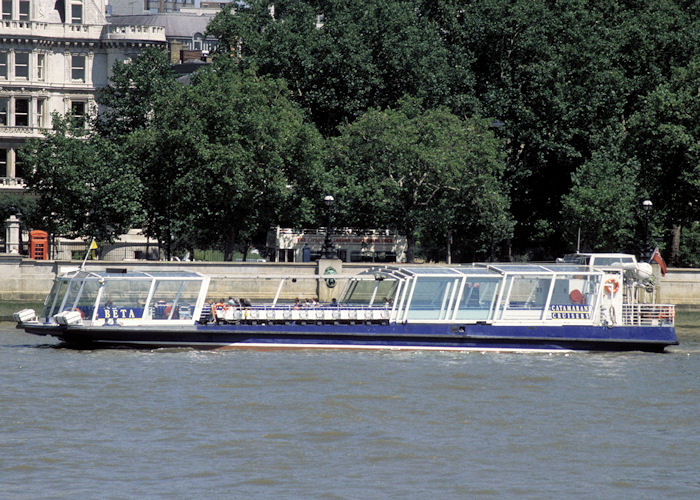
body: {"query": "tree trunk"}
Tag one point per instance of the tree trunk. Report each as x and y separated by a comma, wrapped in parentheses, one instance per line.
(228, 245)
(675, 245)
(410, 247)
(168, 244)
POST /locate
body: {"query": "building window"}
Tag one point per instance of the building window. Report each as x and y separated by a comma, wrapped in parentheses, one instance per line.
(197, 45)
(40, 66)
(3, 162)
(4, 110)
(6, 9)
(76, 13)
(3, 65)
(21, 112)
(22, 65)
(20, 170)
(41, 113)
(78, 68)
(77, 112)
(24, 10)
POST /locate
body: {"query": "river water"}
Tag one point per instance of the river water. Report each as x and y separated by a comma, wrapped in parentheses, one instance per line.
(334, 424)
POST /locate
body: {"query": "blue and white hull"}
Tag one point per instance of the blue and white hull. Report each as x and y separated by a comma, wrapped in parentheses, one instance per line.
(366, 337)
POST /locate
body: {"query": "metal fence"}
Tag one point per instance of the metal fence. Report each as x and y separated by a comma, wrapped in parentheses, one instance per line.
(648, 314)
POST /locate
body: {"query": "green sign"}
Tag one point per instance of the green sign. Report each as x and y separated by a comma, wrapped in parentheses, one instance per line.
(330, 283)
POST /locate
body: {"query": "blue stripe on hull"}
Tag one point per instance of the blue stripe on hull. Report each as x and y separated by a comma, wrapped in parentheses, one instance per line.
(394, 336)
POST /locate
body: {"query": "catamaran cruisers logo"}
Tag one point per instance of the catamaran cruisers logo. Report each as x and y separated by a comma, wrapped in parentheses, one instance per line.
(570, 311)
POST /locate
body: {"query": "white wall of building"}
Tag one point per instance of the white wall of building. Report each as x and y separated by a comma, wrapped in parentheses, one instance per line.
(53, 57)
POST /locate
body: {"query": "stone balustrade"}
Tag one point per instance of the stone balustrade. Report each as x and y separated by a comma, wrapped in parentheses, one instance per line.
(10, 28)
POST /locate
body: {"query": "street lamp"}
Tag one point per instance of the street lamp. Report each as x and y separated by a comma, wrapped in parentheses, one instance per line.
(647, 205)
(328, 251)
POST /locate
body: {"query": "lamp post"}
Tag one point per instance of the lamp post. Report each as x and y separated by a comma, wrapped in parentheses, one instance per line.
(328, 251)
(647, 205)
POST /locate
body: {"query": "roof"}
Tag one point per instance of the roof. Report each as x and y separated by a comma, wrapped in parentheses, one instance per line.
(125, 274)
(176, 24)
(481, 269)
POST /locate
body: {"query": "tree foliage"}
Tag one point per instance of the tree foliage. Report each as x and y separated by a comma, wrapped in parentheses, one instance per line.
(418, 170)
(79, 191)
(341, 58)
(129, 100)
(226, 158)
(560, 75)
(599, 103)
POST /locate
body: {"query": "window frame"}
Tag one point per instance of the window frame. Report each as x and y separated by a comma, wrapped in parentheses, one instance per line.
(4, 112)
(24, 16)
(27, 115)
(4, 65)
(73, 18)
(41, 106)
(41, 67)
(19, 65)
(4, 14)
(81, 69)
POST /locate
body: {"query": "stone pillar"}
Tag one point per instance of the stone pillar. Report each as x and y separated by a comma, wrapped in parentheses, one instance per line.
(12, 235)
(328, 288)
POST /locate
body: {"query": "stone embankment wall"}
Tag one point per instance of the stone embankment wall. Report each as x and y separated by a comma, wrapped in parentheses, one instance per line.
(30, 280)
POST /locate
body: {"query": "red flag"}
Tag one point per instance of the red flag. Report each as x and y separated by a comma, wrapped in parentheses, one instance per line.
(656, 257)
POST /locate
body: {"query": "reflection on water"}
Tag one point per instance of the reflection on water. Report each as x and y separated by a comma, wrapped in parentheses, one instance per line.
(330, 424)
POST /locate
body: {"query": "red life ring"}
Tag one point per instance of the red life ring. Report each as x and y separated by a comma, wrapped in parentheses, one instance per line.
(576, 297)
(612, 286)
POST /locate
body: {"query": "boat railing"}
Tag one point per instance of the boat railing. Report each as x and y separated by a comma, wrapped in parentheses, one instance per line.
(285, 313)
(648, 314)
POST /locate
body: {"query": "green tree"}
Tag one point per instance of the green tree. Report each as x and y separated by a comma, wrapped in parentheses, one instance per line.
(22, 204)
(128, 101)
(418, 170)
(341, 58)
(665, 136)
(603, 202)
(80, 194)
(233, 156)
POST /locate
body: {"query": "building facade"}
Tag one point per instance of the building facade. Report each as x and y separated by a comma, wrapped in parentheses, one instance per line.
(54, 55)
(184, 32)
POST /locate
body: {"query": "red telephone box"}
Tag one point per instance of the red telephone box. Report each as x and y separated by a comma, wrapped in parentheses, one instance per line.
(38, 245)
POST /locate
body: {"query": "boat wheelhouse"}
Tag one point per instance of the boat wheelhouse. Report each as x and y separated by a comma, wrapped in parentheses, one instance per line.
(118, 297)
(501, 306)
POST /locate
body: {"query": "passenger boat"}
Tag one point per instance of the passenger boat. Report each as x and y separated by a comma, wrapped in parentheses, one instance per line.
(489, 306)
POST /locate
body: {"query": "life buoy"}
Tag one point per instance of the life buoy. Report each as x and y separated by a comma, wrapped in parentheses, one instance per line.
(576, 297)
(612, 286)
(218, 309)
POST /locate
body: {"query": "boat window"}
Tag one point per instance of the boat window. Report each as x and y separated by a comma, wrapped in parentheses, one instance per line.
(477, 297)
(86, 301)
(572, 297)
(123, 298)
(72, 295)
(430, 297)
(574, 258)
(174, 299)
(526, 296)
(360, 292)
(57, 290)
(606, 261)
